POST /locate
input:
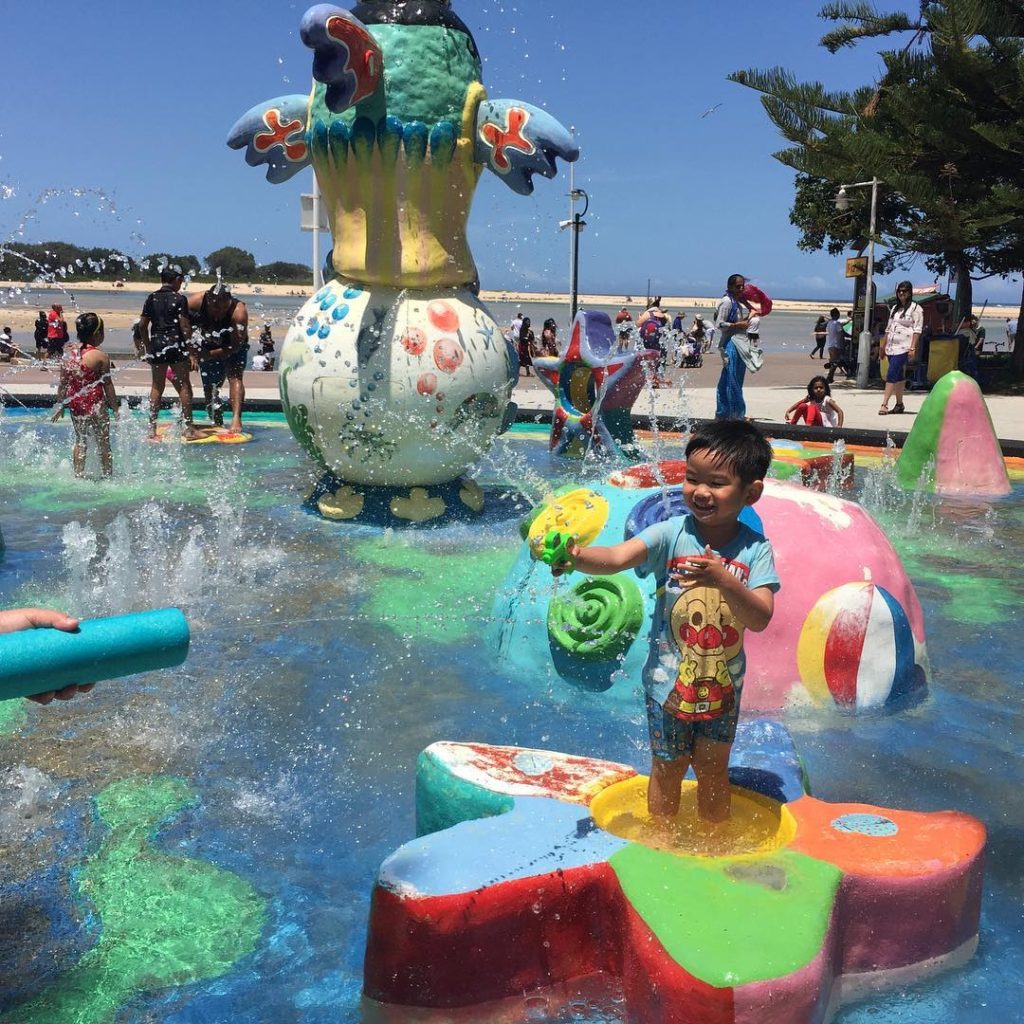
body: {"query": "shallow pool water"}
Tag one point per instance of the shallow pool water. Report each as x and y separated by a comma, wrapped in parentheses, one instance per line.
(200, 844)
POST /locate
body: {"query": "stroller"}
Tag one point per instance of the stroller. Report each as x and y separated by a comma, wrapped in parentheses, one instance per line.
(691, 354)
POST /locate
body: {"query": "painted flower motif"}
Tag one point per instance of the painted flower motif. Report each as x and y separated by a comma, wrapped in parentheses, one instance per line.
(535, 868)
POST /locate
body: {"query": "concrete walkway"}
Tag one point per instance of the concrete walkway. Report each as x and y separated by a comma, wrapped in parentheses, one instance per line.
(781, 382)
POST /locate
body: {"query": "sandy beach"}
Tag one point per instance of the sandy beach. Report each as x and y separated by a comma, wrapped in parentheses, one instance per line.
(20, 317)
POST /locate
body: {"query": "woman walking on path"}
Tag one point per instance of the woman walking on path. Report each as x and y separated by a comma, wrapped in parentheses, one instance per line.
(899, 345)
(738, 353)
(820, 334)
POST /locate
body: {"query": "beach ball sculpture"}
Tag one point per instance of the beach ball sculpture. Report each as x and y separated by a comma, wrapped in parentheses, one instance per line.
(594, 386)
(394, 374)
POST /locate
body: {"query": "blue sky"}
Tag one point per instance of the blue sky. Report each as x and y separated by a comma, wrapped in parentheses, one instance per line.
(114, 116)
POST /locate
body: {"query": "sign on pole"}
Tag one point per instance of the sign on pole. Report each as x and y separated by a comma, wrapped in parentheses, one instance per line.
(306, 213)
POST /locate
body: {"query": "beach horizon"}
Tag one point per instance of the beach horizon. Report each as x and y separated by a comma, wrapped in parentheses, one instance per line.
(633, 303)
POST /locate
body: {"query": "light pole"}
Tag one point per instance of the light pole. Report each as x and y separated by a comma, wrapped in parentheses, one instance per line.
(576, 224)
(864, 344)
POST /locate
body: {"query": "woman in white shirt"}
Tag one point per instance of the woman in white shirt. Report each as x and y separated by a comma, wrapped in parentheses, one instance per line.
(899, 345)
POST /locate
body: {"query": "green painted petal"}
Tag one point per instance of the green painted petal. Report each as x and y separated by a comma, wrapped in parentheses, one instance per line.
(732, 920)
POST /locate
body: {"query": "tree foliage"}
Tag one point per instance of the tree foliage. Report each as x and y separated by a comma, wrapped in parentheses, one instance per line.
(943, 128)
(64, 261)
(233, 263)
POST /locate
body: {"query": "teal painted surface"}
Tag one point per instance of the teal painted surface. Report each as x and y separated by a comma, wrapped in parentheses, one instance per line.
(443, 800)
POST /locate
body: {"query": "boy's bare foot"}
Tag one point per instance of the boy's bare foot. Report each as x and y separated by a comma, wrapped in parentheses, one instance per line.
(190, 434)
(236, 427)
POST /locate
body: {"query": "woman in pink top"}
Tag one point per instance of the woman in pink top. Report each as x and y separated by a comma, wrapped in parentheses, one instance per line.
(88, 392)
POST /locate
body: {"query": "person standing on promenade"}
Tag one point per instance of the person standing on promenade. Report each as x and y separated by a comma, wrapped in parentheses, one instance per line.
(526, 343)
(56, 331)
(39, 335)
(820, 335)
(549, 338)
(731, 319)
(87, 390)
(223, 326)
(834, 337)
(899, 346)
(165, 331)
(515, 327)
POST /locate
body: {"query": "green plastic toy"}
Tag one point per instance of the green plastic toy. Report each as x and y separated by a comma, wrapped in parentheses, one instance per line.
(556, 549)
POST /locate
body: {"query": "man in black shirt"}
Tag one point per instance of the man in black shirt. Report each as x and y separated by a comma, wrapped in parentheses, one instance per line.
(165, 330)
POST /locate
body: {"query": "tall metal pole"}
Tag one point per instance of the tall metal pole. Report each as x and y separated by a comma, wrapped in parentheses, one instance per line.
(318, 274)
(574, 299)
(864, 346)
(573, 240)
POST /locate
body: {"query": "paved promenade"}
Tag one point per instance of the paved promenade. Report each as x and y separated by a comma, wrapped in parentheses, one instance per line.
(781, 382)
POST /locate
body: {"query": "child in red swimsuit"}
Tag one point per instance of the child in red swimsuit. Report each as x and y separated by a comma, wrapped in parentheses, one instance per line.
(88, 392)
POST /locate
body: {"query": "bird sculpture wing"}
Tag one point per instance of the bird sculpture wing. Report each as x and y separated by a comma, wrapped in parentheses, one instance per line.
(516, 140)
(345, 56)
(274, 133)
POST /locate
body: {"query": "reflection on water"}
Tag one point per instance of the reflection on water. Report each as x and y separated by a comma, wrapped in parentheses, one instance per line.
(265, 781)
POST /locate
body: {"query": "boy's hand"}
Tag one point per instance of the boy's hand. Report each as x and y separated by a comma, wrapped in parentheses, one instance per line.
(560, 568)
(58, 415)
(705, 570)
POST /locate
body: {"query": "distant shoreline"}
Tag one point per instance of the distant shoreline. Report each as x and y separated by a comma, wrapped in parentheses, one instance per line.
(670, 303)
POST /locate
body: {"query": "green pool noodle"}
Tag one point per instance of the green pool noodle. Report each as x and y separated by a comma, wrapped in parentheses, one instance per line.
(38, 660)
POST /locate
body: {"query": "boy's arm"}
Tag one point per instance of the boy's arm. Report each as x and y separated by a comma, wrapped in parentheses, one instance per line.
(605, 561)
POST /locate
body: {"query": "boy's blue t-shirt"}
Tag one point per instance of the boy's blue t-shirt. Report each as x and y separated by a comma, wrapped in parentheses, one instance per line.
(693, 632)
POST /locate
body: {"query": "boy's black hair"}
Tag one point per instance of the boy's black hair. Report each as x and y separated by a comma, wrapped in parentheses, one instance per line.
(170, 274)
(736, 443)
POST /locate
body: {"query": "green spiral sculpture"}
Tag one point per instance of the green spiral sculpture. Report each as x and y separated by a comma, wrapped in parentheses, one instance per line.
(598, 619)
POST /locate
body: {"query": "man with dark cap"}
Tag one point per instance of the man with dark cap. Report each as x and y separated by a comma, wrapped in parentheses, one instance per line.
(165, 332)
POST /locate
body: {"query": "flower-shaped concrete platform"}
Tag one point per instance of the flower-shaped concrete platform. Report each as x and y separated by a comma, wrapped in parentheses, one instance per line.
(534, 869)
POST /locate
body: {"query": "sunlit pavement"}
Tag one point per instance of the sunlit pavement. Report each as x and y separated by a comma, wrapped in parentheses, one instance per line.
(781, 383)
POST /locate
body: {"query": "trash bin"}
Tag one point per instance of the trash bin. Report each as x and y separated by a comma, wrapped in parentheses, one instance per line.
(943, 357)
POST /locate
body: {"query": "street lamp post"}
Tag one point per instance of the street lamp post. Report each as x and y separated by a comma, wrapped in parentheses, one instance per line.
(576, 224)
(864, 344)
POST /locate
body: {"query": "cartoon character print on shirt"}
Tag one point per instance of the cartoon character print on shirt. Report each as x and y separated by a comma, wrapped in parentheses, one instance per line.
(708, 636)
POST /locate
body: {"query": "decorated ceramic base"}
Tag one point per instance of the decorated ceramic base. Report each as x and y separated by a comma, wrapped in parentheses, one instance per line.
(535, 868)
(437, 504)
(389, 387)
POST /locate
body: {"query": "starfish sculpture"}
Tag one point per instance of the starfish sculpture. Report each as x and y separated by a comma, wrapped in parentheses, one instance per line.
(592, 382)
(535, 869)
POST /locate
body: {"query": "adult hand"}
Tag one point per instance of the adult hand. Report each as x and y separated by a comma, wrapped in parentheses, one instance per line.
(17, 619)
(58, 415)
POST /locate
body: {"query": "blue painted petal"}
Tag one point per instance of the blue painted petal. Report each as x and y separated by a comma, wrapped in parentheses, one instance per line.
(537, 836)
(274, 133)
(516, 140)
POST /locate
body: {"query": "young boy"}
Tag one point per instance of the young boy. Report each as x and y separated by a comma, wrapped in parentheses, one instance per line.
(716, 577)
